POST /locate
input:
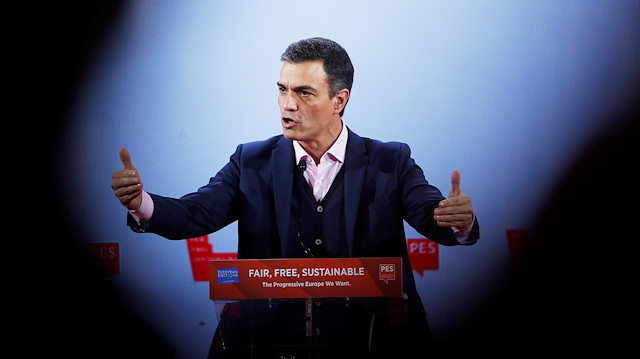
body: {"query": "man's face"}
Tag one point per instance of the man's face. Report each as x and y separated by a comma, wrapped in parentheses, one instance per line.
(307, 112)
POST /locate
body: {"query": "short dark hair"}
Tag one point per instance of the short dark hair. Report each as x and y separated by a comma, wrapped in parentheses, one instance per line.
(335, 59)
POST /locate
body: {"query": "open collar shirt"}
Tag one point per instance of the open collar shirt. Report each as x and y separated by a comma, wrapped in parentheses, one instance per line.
(320, 175)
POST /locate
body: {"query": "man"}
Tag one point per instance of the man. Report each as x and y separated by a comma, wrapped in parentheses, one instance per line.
(318, 190)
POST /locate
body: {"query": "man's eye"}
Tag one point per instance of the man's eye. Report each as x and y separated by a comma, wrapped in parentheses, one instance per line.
(304, 93)
(281, 89)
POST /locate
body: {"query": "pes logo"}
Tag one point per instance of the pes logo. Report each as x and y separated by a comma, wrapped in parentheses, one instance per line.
(423, 255)
(106, 256)
(387, 272)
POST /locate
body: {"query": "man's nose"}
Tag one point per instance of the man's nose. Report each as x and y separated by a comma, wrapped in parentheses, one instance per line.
(290, 103)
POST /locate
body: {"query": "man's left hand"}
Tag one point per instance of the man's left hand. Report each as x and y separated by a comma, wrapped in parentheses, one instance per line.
(456, 211)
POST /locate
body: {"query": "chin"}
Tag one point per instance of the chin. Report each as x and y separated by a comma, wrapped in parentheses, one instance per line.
(289, 135)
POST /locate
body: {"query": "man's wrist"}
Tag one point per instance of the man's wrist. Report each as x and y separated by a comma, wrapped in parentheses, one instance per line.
(145, 211)
(462, 234)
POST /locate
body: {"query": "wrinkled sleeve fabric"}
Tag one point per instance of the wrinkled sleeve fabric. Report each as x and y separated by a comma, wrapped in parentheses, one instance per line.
(208, 210)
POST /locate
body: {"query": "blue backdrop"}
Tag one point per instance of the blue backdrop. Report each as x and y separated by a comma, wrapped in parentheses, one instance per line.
(507, 92)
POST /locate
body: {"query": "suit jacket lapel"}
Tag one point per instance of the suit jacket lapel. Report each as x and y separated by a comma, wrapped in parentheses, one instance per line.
(355, 168)
(282, 165)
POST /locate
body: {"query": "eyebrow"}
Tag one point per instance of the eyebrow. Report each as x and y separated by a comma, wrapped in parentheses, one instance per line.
(299, 88)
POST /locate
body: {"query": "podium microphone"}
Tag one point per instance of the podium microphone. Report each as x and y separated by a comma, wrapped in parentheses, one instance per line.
(302, 166)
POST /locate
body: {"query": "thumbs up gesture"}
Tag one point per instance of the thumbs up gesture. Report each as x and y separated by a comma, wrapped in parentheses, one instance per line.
(456, 211)
(126, 183)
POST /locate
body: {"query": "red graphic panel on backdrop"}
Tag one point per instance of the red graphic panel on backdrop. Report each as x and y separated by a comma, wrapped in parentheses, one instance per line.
(106, 256)
(200, 253)
(423, 255)
(519, 242)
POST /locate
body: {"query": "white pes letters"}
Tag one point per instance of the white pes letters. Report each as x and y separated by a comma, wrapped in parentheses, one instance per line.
(422, 247)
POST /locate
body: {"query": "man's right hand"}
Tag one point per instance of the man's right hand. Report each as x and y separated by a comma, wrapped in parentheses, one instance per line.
(126, 183)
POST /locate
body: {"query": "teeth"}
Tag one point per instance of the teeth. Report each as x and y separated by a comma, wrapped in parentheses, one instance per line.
(288, 120)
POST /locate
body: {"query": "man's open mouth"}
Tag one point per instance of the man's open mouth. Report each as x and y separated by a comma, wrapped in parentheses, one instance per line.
(288, 121)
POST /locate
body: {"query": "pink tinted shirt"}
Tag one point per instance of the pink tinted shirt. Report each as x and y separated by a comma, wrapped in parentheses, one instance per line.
(320, 176)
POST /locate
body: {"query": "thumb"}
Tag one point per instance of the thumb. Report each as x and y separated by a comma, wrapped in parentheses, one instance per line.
(126, 159)
(455, 184)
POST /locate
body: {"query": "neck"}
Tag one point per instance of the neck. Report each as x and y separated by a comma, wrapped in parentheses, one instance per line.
(316, 148)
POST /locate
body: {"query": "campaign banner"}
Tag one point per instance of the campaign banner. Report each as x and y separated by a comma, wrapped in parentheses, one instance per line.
(305, 278)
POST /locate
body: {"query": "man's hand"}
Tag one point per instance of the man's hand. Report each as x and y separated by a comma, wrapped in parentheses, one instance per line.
(456, 211)
(126, 183)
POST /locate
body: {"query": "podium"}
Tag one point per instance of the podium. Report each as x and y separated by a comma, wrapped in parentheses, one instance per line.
(307, 308)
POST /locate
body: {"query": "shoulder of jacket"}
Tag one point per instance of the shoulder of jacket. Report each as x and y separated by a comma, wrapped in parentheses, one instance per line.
(391, 146)
(264, 145)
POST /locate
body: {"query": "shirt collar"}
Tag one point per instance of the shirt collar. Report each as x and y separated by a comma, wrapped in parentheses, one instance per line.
(337, 150)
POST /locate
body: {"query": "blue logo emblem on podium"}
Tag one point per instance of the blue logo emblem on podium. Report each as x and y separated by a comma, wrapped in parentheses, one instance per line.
(228, 275)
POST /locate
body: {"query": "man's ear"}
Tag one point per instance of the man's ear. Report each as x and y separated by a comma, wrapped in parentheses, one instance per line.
(340, 100)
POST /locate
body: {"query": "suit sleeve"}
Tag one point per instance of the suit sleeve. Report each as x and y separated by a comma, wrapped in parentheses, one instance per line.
(420, 199)
(209, 209)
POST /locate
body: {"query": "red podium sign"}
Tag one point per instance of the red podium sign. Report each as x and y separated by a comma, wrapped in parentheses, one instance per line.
(305, 278)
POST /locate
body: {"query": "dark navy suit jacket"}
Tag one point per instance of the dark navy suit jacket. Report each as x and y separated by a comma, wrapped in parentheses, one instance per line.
(382, 185)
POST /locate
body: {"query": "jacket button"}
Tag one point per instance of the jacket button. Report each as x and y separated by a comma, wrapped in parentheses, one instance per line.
(318, 241)
(320, 209)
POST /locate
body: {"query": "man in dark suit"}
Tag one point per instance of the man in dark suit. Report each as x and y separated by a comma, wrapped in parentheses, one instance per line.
(317, 190)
